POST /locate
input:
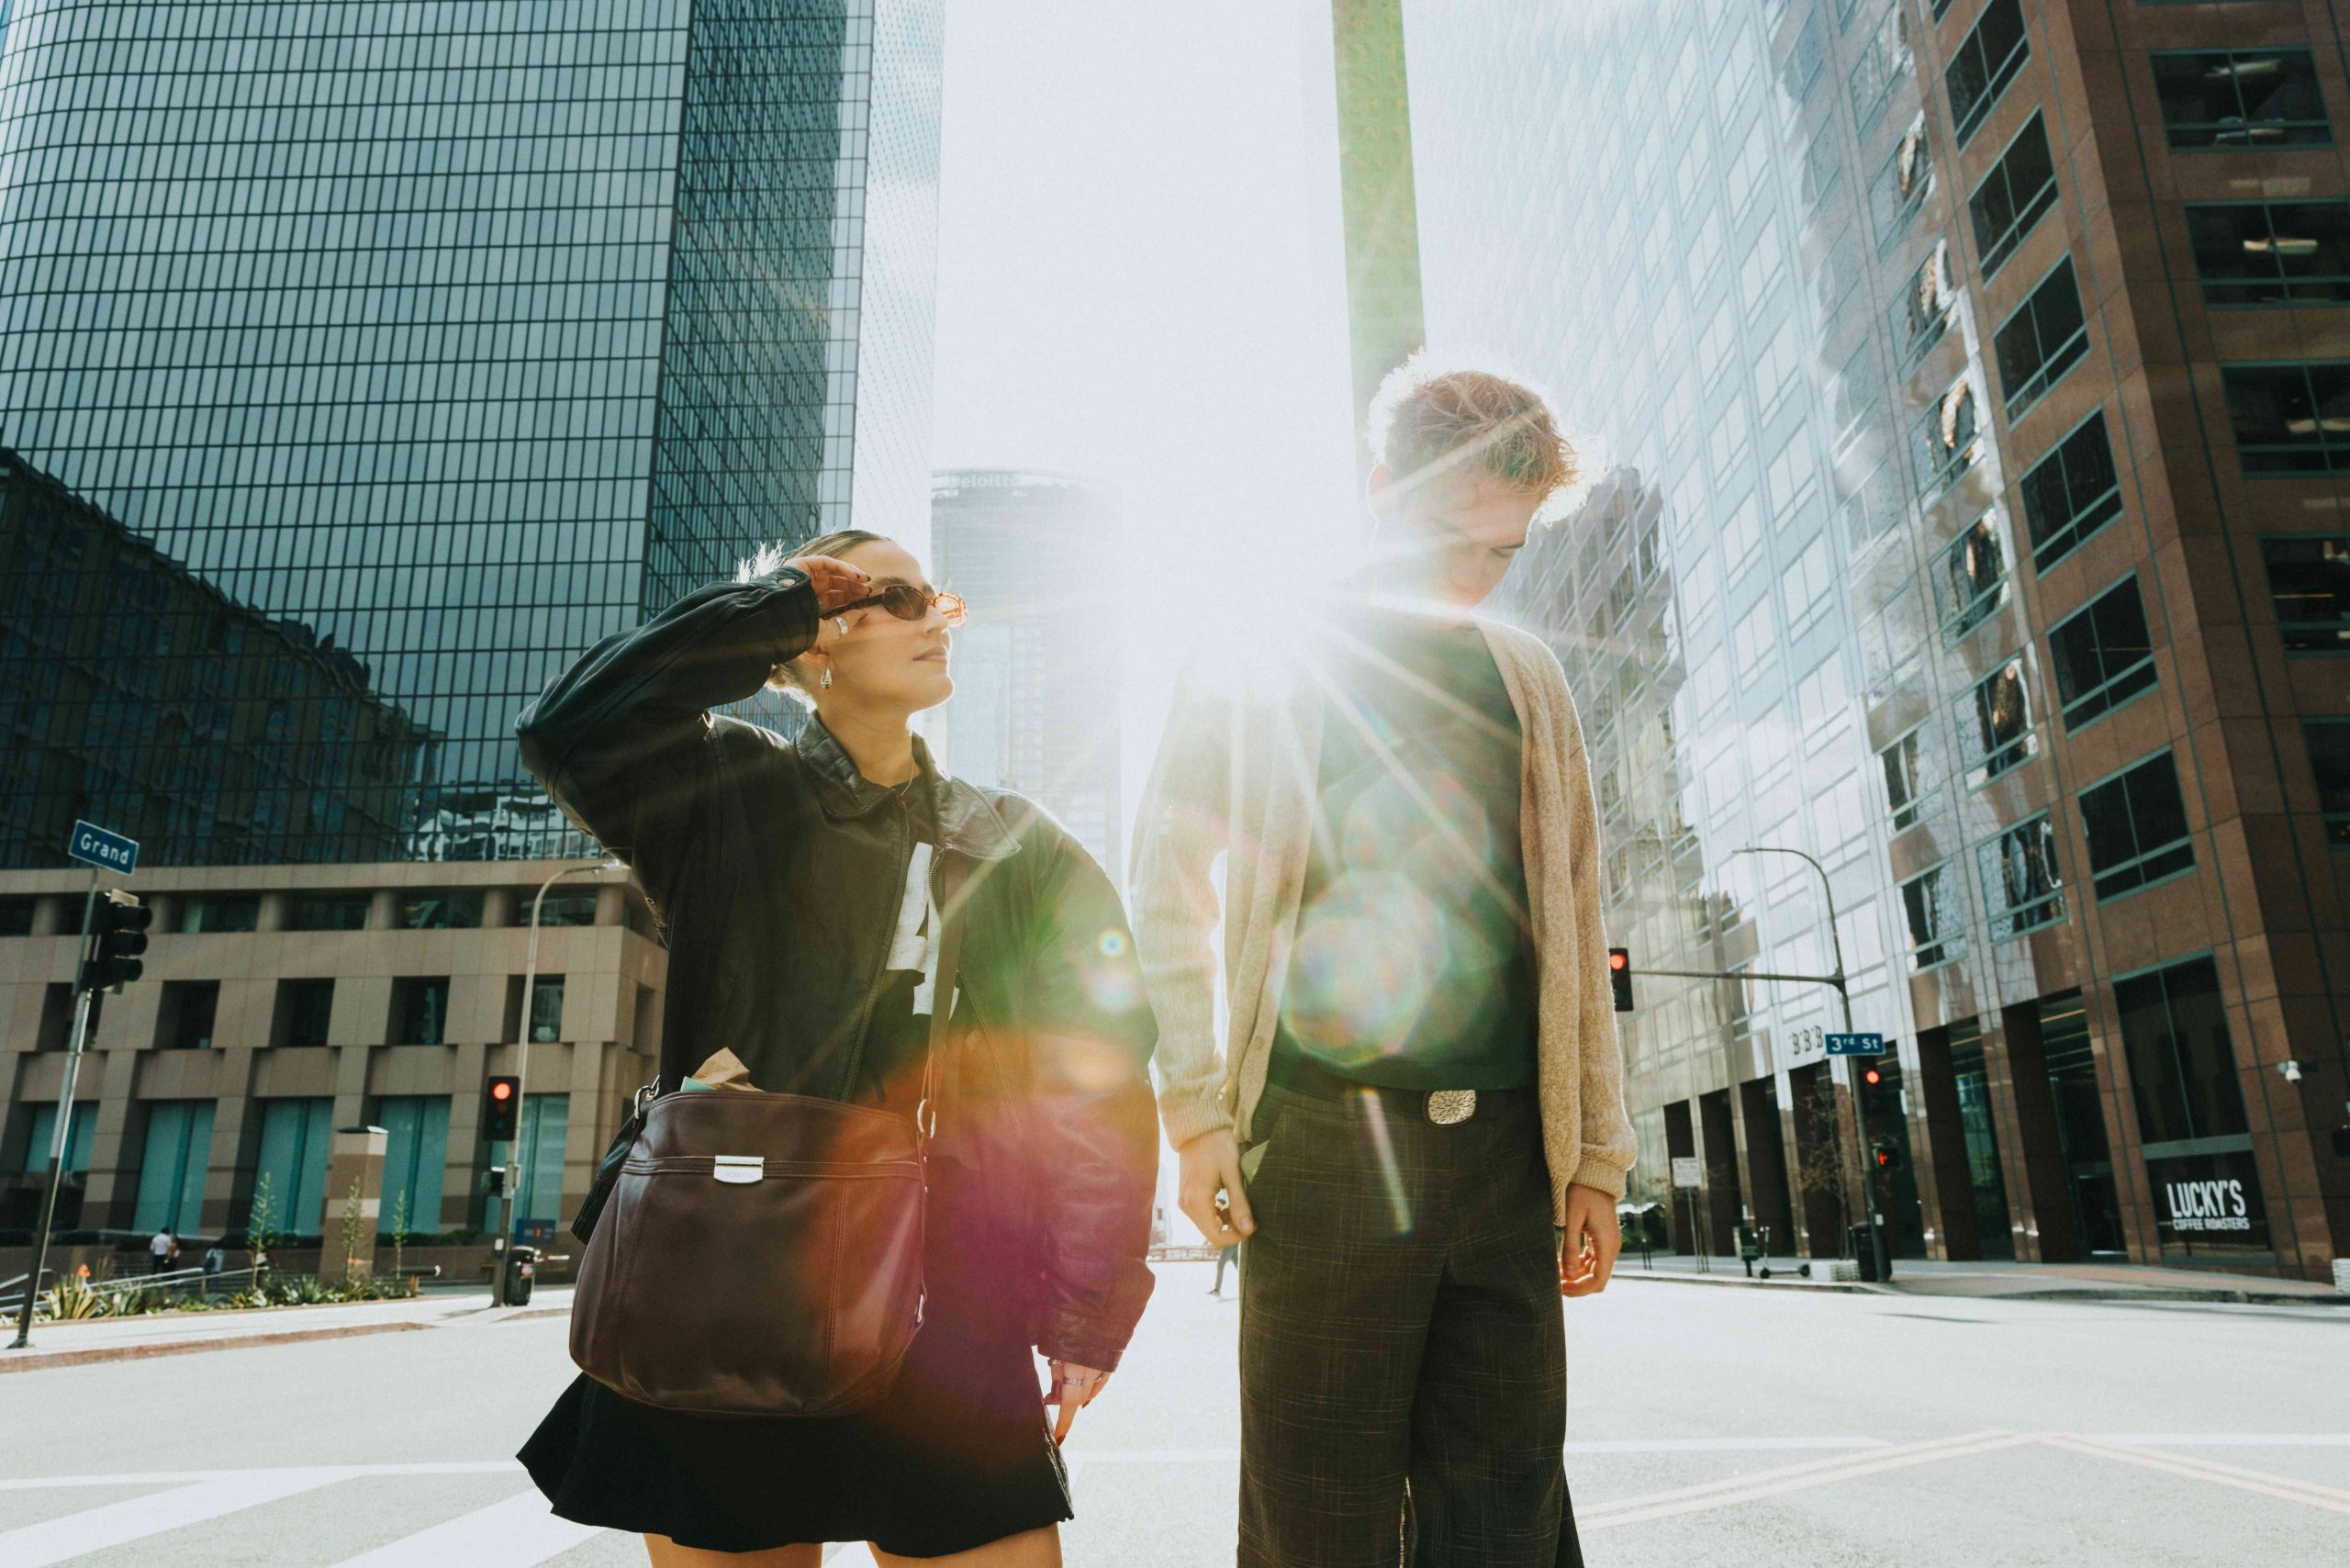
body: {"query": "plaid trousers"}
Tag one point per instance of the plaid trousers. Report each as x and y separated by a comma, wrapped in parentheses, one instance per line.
(1402, 1350)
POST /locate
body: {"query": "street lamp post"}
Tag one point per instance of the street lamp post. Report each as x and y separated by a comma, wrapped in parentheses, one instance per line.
(1877, 1249)
(516, 1157)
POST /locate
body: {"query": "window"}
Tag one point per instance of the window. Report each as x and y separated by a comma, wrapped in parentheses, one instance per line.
(204, 913)
(546, 1009)
(2102, 655)
(2329, 744)
(2019, 189)
(420, 1011)
(1986, 60)
(2309, 582)
(449, 909)
(2045, 338)
(184, 1018)
(2136, 825)
(2234, 99)
(80, 1130)
(172, 1167)
(415, 1156)
(56, 1017)
(304, 1008)
(1902, 787)
(1931, 903)
(2071, 493)
(1970, 577)
(2250, 252)
(328, 912)
(1900, 186)
(2290, 419)
(1947, 441)
(1995, 724)
(16, 917)
(1884, 58)
(296, 1137)
(1922, 313)
(2020, 884)
(2182, 1070)
(558, 908)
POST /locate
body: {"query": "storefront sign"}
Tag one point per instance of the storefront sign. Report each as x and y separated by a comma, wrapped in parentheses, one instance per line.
(2208, 1203)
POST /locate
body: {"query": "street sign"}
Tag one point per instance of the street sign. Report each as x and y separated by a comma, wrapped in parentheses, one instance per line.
(1856, 1044)
(1688, 1171)
(94, 845)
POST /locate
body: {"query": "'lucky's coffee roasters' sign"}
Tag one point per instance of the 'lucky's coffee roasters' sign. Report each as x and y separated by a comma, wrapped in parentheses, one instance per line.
(2208, 1203)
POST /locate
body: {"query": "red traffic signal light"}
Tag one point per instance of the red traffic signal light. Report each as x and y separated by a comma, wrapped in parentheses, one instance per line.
(1619, 976)
(1872, 1075)
(1887, 1153)
(117, 935)
(502, 1114)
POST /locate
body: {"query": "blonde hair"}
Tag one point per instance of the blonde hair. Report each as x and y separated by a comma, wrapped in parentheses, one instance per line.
(1428, 422)
(769, 559)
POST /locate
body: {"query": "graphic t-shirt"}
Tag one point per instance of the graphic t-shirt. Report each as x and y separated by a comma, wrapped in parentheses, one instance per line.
(897, 1038)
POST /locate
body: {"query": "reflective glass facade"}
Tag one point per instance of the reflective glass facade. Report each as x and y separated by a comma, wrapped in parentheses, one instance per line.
(1896, 560)
(462, 334)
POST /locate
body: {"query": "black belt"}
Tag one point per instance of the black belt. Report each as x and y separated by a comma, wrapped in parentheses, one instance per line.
(1445, 1107)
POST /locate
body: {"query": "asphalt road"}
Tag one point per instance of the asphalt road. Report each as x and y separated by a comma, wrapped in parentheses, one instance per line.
(1710, 1425)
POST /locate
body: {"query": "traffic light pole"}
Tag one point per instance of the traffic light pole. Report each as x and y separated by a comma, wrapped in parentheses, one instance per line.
(85, 1010)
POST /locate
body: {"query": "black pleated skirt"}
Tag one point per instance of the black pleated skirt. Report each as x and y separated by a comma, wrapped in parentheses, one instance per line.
(959, 1455)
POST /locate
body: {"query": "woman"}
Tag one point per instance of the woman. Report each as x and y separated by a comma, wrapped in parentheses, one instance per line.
(794, 882)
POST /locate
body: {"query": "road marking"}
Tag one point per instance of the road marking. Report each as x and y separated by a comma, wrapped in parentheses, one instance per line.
(2221, 1440)
(1754, 1487)
(516, 1532)
(134, 1518)
(183, 1477)
(2285, 1488)
(1722, 1445)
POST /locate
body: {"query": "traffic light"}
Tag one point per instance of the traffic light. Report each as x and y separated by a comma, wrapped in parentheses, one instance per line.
(120, 935)
(1887, 1154)
(1872, 1074)
(1619, 976)
(493, 1181)
(502, 1120)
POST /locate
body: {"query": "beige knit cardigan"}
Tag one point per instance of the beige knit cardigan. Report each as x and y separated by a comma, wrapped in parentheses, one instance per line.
(1237, 776)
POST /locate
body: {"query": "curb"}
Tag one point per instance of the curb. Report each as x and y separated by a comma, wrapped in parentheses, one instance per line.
(40, 1360)
(2056, 1293)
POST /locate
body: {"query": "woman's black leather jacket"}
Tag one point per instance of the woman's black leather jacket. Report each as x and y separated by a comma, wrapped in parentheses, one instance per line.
(776, 867)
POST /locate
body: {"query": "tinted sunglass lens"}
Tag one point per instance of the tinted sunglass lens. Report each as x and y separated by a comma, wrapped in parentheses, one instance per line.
(904, 602)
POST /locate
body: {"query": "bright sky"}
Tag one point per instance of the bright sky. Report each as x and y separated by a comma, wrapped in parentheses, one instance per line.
(1139, 281)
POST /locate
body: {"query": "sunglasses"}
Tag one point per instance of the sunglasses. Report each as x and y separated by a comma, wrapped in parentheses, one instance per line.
(908, 602)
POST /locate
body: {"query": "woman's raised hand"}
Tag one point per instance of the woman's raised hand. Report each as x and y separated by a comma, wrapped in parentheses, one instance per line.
(836, 582)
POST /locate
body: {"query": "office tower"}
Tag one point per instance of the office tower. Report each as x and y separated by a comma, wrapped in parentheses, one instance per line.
(1966, 373)
(368, 363)
(469, 333)
(1036, 669)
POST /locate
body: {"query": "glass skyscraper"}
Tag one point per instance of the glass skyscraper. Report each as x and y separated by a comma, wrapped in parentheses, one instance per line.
(463, 334)
(1968, 523)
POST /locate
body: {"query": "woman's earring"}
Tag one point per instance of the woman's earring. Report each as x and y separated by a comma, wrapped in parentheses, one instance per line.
(840, 621)
(825, 681)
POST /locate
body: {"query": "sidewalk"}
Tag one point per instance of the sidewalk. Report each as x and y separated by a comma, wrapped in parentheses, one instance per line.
(178, 1333)
(2009, 1280)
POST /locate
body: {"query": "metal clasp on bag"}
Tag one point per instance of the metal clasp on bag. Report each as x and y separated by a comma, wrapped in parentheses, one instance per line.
(742, 1170)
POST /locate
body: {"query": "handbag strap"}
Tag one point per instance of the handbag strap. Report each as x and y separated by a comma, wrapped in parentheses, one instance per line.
(942, 990)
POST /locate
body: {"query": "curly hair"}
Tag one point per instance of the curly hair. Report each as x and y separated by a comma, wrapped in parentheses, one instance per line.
(1428, 422)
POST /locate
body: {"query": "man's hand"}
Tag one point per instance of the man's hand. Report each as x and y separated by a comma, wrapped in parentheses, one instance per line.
(1074, 1388)
(1212, 1170)
(1587, 1253)
(836, 582)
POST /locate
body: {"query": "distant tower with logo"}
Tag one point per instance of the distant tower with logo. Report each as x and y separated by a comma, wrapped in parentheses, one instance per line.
(1036, 668)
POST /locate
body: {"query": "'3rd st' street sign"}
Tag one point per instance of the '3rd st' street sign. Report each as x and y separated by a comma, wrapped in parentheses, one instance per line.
(1856, 1044)
(94, 845)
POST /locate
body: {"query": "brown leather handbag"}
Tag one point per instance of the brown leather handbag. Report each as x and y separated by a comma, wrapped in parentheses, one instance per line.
(757, 1254)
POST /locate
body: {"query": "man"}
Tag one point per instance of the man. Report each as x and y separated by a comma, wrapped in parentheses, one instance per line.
(1420, 1078)
(160, 1247)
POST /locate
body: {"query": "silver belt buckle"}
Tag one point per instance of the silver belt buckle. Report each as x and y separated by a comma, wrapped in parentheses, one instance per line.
(1451, 1107)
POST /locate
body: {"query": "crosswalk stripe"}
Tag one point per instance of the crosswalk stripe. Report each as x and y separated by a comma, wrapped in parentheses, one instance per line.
(2287, 1488)
(1793, 1478)
(112, 1524)
(514, 1533)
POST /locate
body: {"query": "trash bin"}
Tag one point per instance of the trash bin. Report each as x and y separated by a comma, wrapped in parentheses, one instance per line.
(1863, 1253)
(521, 1268)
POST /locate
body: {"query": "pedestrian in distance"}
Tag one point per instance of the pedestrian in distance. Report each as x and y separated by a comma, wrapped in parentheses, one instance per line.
(804, 885)
(1225, 1255)
(215, 1260)
(162, 1248)
(1415, 1116)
